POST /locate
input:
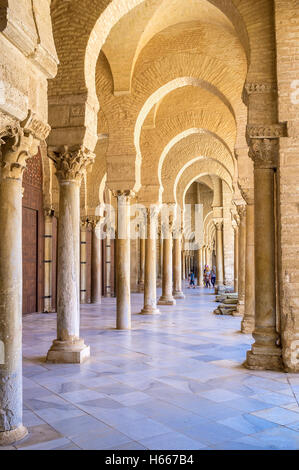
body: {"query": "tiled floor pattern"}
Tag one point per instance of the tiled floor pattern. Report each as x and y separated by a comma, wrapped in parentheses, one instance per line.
(175, 381)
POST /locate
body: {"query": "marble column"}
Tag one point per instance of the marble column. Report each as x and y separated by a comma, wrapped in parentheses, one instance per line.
(236, 255)
(167, 297)
(248, 321)
(200, 268)
(96, 261)
(17, 145)
(183, 265)
(150, 268)
(48, 253)
(266, 352)
(71, 163)
(123, 261)
(107, 245)
(242, 260)
(142, 261)
(177, 266)
(219, 253)
(83, 261)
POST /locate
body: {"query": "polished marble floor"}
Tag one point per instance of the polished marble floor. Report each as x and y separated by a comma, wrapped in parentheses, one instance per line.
(175, 381)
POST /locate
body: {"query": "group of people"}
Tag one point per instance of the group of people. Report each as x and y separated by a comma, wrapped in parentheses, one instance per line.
(209, 277)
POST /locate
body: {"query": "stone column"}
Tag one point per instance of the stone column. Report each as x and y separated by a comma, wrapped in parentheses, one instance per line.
(48, 243)
(123, 262)
(83, 261)
(167, 297)
(108, 267)
(265, 352)
(150, 271)
(96, 261)
(71, 163)
(160, 261)
(219, 253)
(177, 266)
(200, 268)
(142, 261)
(17, 145)
(183, 265)
(248, 321)
(242, 260)
(236, 255)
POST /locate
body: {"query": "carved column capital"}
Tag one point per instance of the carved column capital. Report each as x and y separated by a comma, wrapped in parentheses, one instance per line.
(49, 212)
(123, 194)
(18, 143)
(247, 191)
(241, 211)
(84, 223)
(93, 221)
(255, 88)
(71, 162)
(218, 224)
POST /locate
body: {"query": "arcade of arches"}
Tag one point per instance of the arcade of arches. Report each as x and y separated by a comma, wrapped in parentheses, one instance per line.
(125, 102)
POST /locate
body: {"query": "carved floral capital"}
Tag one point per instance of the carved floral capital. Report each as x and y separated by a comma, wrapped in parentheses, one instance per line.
(71, 163)
(264, 152)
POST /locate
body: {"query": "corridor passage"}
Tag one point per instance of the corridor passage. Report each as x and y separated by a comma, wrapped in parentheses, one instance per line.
(175, 381)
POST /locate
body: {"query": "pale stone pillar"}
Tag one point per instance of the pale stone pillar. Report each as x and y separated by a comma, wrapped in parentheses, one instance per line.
(150, 281)
(183, 265)
(236, 256)
(108, 267)
(265, 352)
(96, 261)
(167, 297)
(242, 260)
(200, 268)
(249, 313)
(48, 243)
(177, 267)
(142, 262)
(219, 253)
(70, 167)
(123, 261)
(83, 261)
(204, 256)
(18, 144)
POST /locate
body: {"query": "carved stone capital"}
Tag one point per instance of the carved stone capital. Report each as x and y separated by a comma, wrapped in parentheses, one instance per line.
(84, 223)
(257, 89)
(93, 221)
(264, 152)
(241, 211)
(271, 131)
(246, 187)
(218, 224)
(49, 212)
(18, 144)
(123, 196)
(71, 163)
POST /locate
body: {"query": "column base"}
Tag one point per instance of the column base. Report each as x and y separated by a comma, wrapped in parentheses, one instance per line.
(262, 359)
(178, 295)
(9, 437)
(247, 326)
(240, 310)
(68, 352)
(166, 301)
(149, 310)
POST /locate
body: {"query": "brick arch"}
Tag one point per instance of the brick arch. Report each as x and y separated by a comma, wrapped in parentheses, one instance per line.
(196, 170)
(88, 27)
(186, 153)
